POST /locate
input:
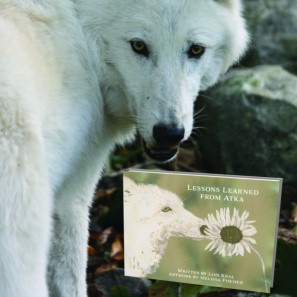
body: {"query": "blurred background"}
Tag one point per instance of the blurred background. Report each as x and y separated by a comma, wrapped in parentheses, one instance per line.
(246, 125)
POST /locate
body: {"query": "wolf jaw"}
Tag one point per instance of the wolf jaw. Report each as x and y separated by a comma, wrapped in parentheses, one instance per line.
(161, 154)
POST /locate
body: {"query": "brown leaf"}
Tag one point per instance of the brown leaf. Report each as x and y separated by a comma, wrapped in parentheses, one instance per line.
(119, 256)
(91, 251)
(103, 193)
(104, 236)
(105, 267)
(117, 249)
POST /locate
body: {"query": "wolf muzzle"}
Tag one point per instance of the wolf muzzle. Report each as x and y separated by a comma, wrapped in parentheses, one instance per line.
(166, 140)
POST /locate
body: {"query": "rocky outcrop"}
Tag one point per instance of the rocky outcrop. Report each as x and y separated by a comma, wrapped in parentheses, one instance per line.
(252, 125)
(273, 28)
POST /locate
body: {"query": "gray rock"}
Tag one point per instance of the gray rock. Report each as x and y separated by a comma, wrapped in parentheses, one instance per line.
(273, 27)
(252, 125)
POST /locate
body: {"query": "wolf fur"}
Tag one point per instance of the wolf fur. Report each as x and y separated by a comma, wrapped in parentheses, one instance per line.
(71, 87)
(152, 215)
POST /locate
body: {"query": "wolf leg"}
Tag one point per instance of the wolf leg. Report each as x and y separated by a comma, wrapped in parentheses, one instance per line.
(25, 200)
(68, 256)
(68, 253)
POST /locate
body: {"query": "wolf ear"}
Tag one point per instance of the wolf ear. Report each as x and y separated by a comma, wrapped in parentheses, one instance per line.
(233, 5)
(239, 38)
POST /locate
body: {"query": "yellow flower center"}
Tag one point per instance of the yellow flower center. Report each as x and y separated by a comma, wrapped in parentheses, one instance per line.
(231, 234)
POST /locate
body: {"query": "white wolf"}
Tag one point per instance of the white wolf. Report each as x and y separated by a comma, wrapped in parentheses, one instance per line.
(76, 78)
(152, 215)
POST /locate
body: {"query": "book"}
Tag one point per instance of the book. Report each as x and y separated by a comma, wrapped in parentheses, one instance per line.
(204, 229)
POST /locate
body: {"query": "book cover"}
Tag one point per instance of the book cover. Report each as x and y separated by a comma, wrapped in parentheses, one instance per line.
(214, 230)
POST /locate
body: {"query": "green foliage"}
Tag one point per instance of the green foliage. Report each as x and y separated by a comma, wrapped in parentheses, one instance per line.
(171, 289)
(163, 289)
(119, 291)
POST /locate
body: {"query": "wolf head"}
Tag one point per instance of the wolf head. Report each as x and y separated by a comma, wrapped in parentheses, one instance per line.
(160, 54)
(160, 209)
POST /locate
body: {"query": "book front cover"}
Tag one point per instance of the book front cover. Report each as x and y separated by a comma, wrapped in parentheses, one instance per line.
(213, 230)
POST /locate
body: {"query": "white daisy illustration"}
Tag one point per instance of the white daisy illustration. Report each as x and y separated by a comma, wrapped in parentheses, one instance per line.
(229, 235)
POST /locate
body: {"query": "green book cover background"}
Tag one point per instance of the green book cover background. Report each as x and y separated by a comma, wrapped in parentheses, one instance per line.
(186, 260)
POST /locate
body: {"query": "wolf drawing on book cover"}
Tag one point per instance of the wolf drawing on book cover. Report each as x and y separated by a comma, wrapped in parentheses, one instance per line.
(152, 216)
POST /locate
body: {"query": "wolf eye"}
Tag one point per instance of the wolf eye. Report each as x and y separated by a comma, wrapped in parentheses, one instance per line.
(196, 51)
(139, 47)
(166, 209)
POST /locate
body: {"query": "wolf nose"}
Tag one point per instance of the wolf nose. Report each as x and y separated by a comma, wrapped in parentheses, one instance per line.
(168, 134)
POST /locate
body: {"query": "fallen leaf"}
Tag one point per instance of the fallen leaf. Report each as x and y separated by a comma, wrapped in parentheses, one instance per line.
(117, 249)
(103, 193)
(91, 251)
(104, 236)
(105, 267)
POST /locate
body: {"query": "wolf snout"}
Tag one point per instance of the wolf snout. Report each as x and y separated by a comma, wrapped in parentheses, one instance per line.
(166, 139)
(169, 135)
